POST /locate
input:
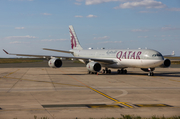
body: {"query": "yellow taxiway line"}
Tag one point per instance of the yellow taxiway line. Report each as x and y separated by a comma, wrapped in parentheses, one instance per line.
(9, 74)
(101, 93)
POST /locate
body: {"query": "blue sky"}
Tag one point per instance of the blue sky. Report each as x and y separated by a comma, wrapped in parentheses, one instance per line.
(27, 26)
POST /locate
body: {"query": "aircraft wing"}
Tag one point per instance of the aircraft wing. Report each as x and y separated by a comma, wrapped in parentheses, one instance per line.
(40, 56)
(57, 50)
(103, 61)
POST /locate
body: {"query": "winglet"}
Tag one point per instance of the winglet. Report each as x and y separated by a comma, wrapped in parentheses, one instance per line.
(5, 51)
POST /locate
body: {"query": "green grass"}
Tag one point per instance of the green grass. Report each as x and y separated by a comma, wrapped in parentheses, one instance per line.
(172, 58)
(139, 117)
(19, 60)
(153, 117)
(35, 117)
(175, 62)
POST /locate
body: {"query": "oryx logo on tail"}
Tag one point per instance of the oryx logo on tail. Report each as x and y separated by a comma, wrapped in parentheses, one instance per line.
(73, 40)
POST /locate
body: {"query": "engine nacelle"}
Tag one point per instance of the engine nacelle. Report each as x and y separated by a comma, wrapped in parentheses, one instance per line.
(93, 66)
(55, 63)
(166, 63)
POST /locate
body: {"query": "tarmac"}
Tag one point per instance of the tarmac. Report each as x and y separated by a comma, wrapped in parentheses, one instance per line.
(69, 92)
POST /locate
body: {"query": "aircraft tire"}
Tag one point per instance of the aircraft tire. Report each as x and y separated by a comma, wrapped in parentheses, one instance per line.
(125, 71)
(150, 74)
(109, 71)
(104, 71)
(118, 71)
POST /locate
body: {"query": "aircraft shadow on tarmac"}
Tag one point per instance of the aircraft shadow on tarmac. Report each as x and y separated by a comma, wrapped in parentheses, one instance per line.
(168, 74)
(63, 74)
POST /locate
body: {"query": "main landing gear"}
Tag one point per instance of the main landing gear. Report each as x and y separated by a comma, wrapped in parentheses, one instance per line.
(122, 71)
(106, 71)
(150, 72)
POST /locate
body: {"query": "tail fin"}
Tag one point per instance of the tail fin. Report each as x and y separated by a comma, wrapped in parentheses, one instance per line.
(74, 40)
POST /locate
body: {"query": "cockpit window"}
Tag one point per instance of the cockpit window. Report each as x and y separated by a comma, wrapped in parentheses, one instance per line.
(157, 55)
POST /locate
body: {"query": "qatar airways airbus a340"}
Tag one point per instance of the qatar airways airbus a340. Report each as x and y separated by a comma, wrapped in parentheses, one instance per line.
(120, 59)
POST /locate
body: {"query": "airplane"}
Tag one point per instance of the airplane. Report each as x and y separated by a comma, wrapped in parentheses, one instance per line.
(145, 59)
(172, 55)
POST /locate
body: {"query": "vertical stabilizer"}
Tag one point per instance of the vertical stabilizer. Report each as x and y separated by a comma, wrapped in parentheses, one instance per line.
(74, 40)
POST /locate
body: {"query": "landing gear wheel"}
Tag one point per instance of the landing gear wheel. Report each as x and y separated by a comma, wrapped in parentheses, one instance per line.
(125, 71)
(118, 71)
(106, 71)
(150, 74)
(122, 71)
(109, 71)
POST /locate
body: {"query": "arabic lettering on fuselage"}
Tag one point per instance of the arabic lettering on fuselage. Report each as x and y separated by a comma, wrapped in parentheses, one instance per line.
(109, 52)
(128, 55)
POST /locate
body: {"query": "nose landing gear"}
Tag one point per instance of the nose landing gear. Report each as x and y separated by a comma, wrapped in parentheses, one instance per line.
(150, 72)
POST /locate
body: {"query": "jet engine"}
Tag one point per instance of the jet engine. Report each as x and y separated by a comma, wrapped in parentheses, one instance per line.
(166, 63)
(55, 63)
(93, 67)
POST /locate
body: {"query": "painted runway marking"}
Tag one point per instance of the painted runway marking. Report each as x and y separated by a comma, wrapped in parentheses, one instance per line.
(101, 105)
(17, 81)
(101, 93)
(82, 105)
(45, 82)
(123, 94)
(152, 105)
(9, 74)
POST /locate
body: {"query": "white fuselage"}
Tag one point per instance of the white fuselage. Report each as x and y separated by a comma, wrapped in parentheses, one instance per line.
(142, 58)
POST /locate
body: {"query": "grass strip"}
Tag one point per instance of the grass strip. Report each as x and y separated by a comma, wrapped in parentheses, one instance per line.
(19, 60)
(122, 117)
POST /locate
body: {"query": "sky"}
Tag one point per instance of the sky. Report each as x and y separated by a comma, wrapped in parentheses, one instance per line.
(27, 26)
